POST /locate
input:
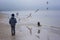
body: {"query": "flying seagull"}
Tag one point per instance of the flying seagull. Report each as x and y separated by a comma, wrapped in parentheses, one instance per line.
(47, 2)
(29, 15)
(37, 10)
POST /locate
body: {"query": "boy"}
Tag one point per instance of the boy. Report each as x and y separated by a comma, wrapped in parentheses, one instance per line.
(12, 22)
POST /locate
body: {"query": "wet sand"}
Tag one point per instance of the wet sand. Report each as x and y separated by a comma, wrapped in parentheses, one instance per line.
(4, 28)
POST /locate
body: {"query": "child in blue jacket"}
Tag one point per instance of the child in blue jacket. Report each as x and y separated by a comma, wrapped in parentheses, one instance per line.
(12, 22)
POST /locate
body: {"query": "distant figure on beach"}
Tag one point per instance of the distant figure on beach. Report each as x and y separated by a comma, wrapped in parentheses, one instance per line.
(38, 26)
(12, 22)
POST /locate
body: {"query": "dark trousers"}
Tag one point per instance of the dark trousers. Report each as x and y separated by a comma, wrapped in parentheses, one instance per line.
(13, 30)
(38, 31)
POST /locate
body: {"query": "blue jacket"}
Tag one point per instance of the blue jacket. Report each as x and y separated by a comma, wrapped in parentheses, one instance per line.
(12, 21)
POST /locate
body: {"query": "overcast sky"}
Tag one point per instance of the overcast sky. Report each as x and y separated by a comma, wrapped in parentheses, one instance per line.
(29, 4)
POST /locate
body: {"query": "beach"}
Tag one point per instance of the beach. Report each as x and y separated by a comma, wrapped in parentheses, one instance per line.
(48, 31)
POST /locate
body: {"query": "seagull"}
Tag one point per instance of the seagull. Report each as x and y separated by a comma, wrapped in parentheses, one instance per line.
(47, 2)
(29, 15)
(37, 10)
(30, 29)
(47, 8)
